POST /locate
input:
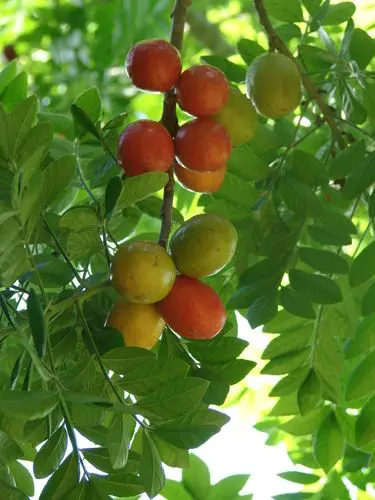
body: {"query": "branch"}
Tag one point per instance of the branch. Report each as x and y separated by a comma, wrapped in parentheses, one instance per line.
(169, 118)
(276, 43)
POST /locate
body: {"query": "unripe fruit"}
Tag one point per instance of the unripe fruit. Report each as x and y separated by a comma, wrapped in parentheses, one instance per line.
(200, 182)
(140, 324)
(143, 272)
(202, 145)
(153, 65)
(202, 90)
(274, 85)
(239, 117)
(193, 309)
(145, 146)
(203, 245)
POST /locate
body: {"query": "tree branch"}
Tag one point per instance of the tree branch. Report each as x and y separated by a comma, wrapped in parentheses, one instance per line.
(275, 42)
(169, 118)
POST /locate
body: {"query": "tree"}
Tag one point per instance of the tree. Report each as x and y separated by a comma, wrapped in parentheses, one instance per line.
(300, 194)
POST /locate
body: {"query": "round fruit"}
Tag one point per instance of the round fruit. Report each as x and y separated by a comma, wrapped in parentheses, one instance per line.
(203, 245)
(145, 146)
(140, 324)
(153, 65)
(274, 85)
(202, 145)
(239, 117)
(193, 309)
(200, 182)
(143, 272)
(202, 90)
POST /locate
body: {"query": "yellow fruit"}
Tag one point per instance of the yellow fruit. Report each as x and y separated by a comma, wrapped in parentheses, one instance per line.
(203, 245)
(239, 117)
(143, 272)
(140, 324)
(274, 85)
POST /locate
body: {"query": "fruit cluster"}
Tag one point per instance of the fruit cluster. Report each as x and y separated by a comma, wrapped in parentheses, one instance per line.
(152, 293)
(222, 117)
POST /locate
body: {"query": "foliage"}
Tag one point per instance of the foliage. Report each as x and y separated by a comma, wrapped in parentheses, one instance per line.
(300, 194)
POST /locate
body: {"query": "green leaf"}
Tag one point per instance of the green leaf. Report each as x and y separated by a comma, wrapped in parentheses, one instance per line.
(89, 101)
(328, 443)
(62, 481)
(263, 309)
(9, 449)
(339, 13)
(363, 267)
(347, 160)
(362, 379)
(23, 478)
(171, 455)
(286, 363)
(323, 260)
(196, 479)
(299, 197)
(118, 442)
(310, 393)
(153, 374)
(234, 371)
(37, 324)
(364, 339)
(7, 74)
(307, 424)
(119, 485)
(289, 384)
(361, 48)
(51, 454)
(27, 405)
(84, 120)
(173, 399)
(229, 487)
(240, 158)
(53, 271)
(126, 359)
(307, 169)
(112, 193)
(15, 92)
(360, 179)
(286, 11)
(365, 424)
(287, 343)
(234, 72)
(249, 50)
(83, 245)
(296, 303)
(219, 350)
(368, 301)
(318, 289)
(9, 492)
(79, 219)
(192, 429)
(151, 469)
(20, 122)
(329, 234)
(139, 187)
(299, 477)
(58, 176)
(173, 490)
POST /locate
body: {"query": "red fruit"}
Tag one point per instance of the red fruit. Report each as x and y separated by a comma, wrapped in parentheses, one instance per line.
(145, 146)
(202, 145)
(202, 90)
(193, 309)
(153, 65)
(200, 182)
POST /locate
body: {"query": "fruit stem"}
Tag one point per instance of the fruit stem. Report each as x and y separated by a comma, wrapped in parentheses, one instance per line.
(169, 118)
(275, 42)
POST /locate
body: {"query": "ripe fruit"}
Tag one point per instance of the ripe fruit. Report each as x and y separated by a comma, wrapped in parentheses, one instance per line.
(140, 324)
(145, 146)
(202, 90)
(239, 117)
(200, 182)
(193, 309)
(274, 85)
(143, 272)
(202, 145)
(153, 65)
(203, 245)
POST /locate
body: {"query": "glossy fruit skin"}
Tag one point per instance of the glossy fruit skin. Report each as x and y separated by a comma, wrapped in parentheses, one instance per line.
(202, 145)
(153, 65)
(239, 117)
(145, 146)
(203, 245)
(143, 272)
(202, 90)
(274, 85)
(200, 182)
(193, 309)
(140, 324)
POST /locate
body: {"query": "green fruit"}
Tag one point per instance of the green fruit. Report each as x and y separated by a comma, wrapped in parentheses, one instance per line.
(239, 117)
(274, 85)
(203, 245)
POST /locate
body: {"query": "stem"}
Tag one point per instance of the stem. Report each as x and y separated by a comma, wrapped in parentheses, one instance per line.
(169, 118)
(277, 43)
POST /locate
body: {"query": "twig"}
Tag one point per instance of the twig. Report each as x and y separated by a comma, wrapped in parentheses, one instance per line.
(169, 118)
(275, 42)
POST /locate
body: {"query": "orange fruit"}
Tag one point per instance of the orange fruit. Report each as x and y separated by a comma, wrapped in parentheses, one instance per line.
(200, 182)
